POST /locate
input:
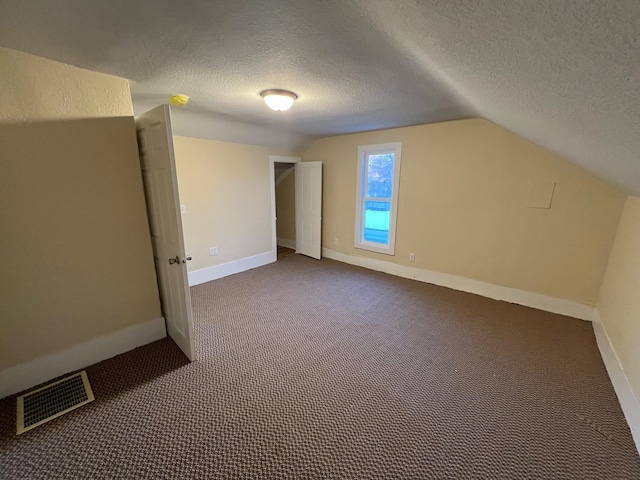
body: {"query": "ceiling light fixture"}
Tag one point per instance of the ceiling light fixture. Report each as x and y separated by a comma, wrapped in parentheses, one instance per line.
(278, 100)
(179, 100)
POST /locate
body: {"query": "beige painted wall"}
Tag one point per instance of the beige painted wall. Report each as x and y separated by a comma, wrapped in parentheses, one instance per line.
(619, 302)
(226, 190)
(36, 89)
(464, 191)
(75, 249)
(286, 208)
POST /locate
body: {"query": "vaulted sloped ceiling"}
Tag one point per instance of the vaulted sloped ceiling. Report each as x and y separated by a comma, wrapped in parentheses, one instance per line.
(562, 73)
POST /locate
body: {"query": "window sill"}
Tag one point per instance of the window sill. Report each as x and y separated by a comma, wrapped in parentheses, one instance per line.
(371, 248)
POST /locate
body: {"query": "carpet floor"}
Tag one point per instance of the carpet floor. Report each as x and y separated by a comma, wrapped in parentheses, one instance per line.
(284, 252)
(321, 370)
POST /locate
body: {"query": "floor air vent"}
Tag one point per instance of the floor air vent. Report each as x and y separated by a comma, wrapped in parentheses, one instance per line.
(51, 401)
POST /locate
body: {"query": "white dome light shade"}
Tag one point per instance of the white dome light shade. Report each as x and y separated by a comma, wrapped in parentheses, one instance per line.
(278, 100)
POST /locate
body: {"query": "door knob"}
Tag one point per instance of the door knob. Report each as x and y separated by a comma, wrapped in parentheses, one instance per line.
(174, 260)
(188, 259)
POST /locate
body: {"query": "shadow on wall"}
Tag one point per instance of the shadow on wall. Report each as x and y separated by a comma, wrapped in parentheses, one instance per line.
(75, 248)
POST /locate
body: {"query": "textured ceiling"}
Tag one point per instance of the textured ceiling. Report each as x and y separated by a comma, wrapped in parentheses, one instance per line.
(562, 73)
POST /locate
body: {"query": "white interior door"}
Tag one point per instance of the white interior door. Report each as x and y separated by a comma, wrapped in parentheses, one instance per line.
(309, 209)
(155, 141)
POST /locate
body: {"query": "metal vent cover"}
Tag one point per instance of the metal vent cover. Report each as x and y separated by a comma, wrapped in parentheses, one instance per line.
(53, 400)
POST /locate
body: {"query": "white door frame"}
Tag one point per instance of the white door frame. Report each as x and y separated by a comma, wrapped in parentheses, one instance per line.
(273, 159)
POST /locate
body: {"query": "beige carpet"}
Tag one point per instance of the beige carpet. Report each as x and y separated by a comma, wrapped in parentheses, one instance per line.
(320, 370)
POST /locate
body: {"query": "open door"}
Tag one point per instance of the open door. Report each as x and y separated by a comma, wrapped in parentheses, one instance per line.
(155, 143)
(309, 209)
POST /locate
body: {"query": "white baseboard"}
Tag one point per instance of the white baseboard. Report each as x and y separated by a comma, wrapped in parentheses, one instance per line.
(224, 269)
(628, 401)
(285, 242)
(26, 375)
(561, 306)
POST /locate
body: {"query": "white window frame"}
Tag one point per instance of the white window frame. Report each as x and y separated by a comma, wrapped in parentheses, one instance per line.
(364, 151)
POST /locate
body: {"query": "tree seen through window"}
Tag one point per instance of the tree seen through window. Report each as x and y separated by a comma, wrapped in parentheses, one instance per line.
(380, 176)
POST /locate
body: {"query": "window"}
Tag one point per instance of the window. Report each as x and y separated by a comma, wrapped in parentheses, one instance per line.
(377, 202)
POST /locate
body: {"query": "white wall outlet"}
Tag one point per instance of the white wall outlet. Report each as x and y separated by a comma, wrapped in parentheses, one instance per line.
(336, 241)
(183, 209)
(213, 251)
(412, 257)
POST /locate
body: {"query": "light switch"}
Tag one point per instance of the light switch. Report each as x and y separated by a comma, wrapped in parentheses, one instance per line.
(183, 209)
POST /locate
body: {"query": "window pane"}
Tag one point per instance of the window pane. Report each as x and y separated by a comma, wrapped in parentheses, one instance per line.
(376, 221)
(380, 176)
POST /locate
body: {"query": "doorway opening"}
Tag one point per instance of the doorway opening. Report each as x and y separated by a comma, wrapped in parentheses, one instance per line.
(284, 252)
(285, 186)
(284, 195)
